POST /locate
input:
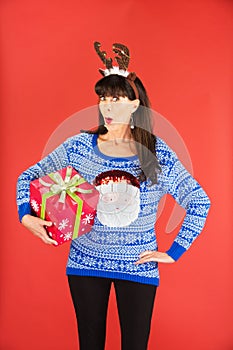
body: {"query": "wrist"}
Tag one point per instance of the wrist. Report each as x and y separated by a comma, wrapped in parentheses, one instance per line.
(24, 218)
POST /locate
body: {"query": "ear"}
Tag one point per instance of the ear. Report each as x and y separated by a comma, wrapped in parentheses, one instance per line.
(135, 104)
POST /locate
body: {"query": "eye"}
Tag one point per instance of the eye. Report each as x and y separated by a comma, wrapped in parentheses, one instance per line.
(115, 99)
(102, 98)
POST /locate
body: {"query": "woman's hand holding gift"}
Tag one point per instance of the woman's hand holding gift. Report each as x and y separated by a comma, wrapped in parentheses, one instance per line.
(37, 227)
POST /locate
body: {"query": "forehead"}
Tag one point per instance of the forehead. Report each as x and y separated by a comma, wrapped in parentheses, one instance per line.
(112, 92)
(111, 89)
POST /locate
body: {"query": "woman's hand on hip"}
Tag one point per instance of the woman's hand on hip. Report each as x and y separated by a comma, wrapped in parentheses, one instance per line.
(152, 255)
(37, 227)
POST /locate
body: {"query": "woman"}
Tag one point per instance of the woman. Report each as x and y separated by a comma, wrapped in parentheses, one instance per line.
(133, 170)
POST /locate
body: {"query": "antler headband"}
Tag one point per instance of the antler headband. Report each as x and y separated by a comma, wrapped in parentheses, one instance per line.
(123, 61)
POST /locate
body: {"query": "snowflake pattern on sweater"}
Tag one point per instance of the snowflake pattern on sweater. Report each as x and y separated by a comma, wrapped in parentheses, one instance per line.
(112, 251)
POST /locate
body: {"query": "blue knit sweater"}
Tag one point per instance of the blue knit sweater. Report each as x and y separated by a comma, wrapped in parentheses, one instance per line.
(112, 251)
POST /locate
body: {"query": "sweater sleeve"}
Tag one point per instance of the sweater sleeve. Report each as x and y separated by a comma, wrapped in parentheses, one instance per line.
(56, 160)
(191, 196)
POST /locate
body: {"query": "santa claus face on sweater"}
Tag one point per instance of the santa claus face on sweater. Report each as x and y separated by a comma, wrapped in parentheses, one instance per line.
(119, 201)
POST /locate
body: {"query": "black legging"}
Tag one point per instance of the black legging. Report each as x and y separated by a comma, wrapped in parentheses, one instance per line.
(135, 305)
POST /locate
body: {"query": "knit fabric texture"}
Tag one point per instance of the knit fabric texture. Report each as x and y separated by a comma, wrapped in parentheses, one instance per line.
(108, 251)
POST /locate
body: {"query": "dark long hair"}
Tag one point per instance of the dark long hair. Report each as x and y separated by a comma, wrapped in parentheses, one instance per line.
(117, 85)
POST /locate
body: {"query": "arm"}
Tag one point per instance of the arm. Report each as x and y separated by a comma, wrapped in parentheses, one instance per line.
(56, 160)
(189, 194)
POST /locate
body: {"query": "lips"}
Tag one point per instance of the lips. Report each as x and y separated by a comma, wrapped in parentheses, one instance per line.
(108, 120)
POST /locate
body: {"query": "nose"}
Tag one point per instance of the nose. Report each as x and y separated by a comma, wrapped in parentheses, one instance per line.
(108, 106)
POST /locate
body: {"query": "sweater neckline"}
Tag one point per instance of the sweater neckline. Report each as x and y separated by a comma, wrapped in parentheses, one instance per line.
(105, 156)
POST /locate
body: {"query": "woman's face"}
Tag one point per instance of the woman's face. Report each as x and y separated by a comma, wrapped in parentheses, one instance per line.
(117, 111)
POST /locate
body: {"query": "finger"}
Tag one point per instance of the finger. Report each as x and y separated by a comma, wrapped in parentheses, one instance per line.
(46, 223)
(145, 260)
(48, 240)
(45, 237)
(138, 262)
(51, 241)
(157, 259)
(145, 253)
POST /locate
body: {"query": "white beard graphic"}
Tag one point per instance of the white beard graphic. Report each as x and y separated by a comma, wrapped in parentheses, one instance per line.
(119, 203)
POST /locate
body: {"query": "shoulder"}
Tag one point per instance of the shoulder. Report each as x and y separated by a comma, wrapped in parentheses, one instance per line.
(84, 139)
(164, 152)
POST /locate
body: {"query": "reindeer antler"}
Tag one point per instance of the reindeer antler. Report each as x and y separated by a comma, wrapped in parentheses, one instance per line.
(123, 55)
(102, 54)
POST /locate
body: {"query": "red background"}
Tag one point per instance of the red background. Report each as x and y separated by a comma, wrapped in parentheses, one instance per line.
(182, 51)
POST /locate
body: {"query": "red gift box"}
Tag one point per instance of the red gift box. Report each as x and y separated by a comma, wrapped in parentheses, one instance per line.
(66, 199)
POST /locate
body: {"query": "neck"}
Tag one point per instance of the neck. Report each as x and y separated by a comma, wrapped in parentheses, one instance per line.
(121, 133)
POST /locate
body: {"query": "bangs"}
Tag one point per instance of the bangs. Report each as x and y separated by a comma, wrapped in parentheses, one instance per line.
(114, 85)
